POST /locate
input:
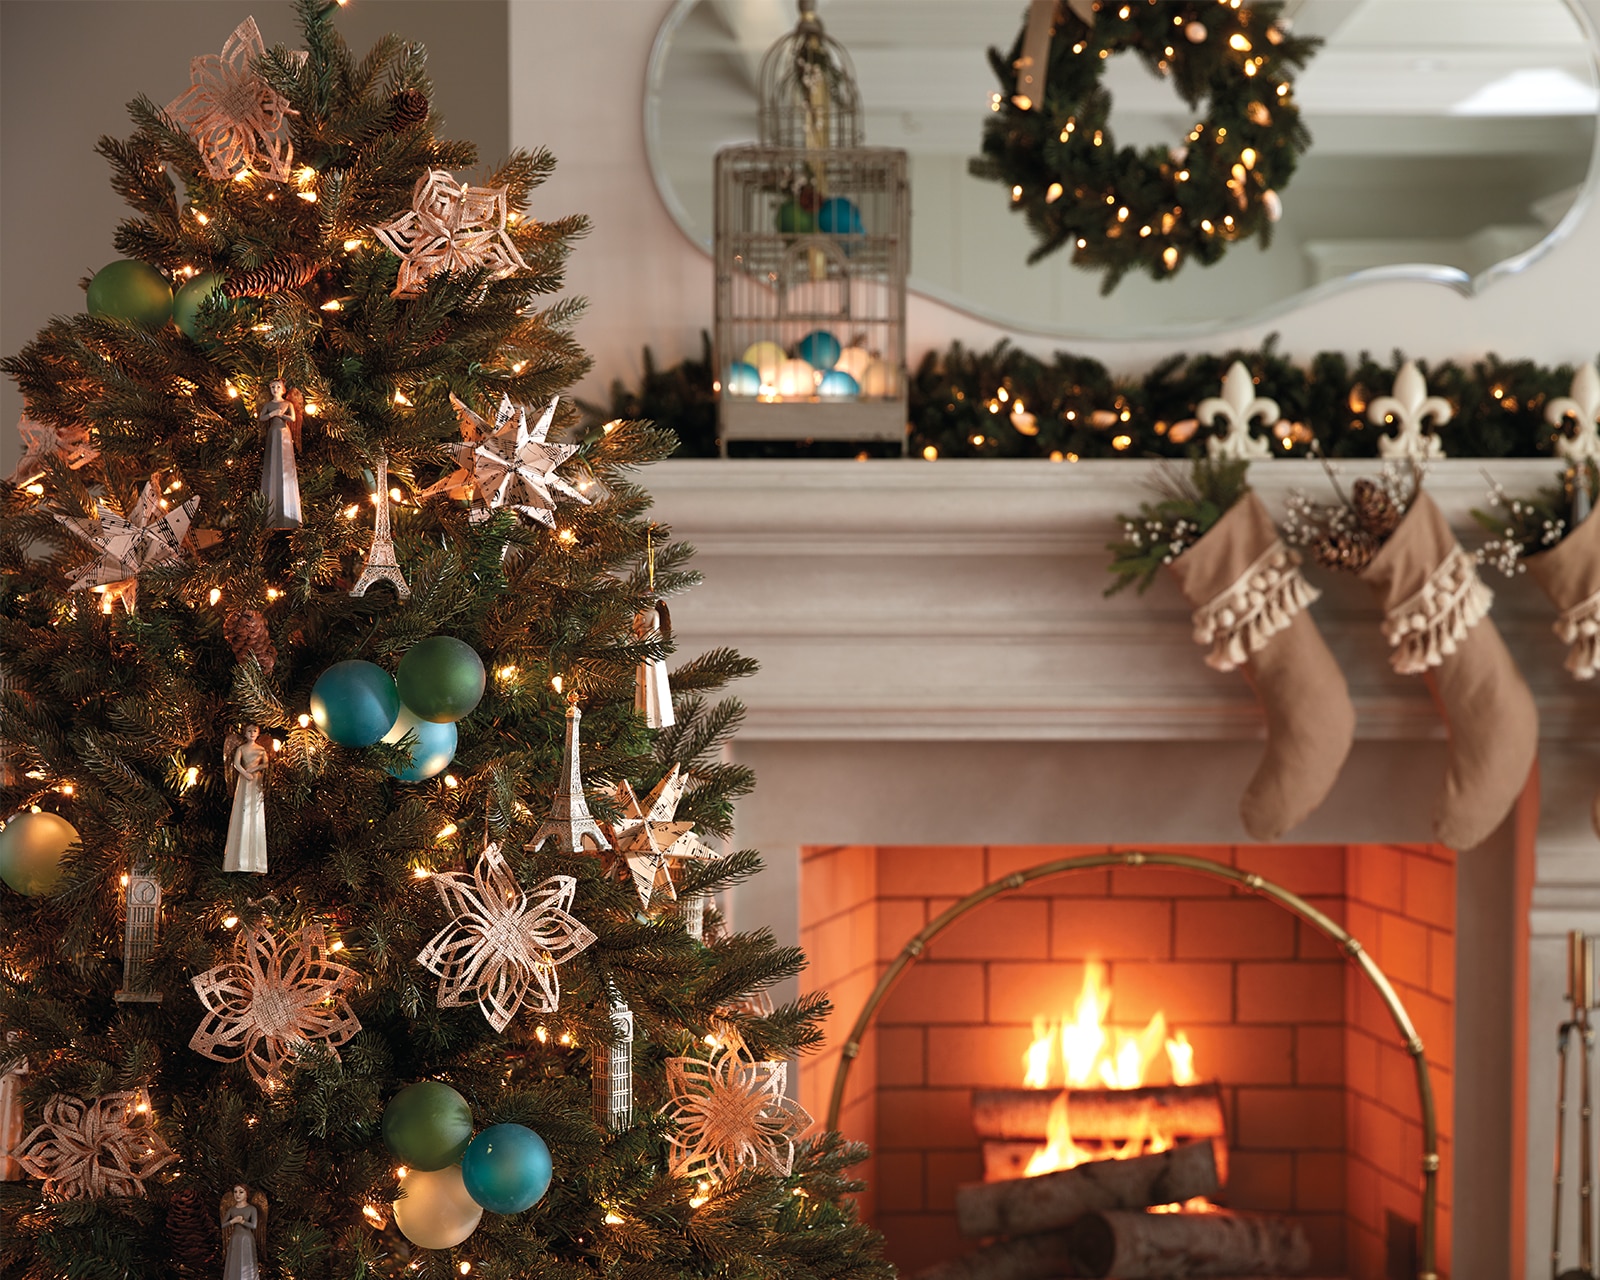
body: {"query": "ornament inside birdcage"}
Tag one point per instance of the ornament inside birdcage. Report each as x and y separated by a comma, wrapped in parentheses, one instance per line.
(812, 246)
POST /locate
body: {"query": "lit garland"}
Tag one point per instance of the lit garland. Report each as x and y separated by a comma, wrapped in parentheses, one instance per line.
(1124, 210)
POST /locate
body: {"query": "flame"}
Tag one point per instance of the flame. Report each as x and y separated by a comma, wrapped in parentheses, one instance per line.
(1083, 1052)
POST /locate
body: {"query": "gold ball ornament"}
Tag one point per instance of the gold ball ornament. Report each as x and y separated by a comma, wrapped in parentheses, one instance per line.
(854, 361)
(765, 357)
(31, 847)
(436, 1212)
(795, 378)
(877, 379)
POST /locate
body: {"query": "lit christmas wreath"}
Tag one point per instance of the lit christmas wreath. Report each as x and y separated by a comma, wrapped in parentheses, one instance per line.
(1121, 210)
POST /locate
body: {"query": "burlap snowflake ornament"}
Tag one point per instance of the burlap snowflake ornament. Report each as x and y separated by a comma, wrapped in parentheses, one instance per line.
(731, 1114)
(450, 227)
(70, 446)
(275, 997)
(502, 949)
(107, 1146)
(239, 123)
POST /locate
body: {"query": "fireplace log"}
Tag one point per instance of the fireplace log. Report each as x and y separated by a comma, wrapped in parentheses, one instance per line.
(1025, 1258)
(1186, 1244)
(1023, 1206)
(1101, 1115)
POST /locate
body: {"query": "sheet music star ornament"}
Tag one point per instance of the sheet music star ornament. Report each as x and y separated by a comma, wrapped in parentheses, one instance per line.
(506, 464)
(275, 995)
(647, 833)
(505, 944)
(731, 1114)
(237, 120)
(150, 534)
(106, 1146)
(450, 227)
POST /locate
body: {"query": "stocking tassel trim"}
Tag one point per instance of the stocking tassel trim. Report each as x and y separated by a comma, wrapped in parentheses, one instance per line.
(1579, 628)
(1427, 628)
(1264, 600)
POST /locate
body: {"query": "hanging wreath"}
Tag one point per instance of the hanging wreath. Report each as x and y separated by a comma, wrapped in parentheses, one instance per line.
(1121, 210)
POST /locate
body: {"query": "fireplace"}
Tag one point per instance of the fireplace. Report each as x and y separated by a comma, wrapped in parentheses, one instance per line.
(944, 695)
(1319, 1093)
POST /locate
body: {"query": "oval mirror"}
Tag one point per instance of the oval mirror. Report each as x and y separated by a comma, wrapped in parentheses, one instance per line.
(1452, 141)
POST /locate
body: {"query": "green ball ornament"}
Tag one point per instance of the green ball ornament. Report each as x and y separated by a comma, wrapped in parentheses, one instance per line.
(186, 304)
(132, 291)
(427, 1126)
(30, 852)
(354, 702)
(441, 679)
(507, 1168)
(794, 219)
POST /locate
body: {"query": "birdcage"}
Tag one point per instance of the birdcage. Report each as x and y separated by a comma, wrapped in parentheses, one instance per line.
(812, 246)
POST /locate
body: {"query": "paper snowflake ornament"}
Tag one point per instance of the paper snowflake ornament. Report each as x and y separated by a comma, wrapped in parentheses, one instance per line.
(70, 446)
(647, 833)
(239, 123)
(107, 1146)
(275, 998)
(151, 533)
(507, 465)
(731, 1114)
(505, 944)
(450, 227)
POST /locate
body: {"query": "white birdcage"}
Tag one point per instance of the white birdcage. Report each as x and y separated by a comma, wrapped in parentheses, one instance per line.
(812, 246)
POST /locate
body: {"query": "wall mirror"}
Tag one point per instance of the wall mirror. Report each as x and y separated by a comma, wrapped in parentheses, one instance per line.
(1453, 140)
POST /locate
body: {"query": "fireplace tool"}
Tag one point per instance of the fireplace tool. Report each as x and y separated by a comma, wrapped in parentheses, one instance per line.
(1581, 996)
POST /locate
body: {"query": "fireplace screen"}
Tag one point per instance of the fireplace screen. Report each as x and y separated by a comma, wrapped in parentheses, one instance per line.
(1142, 1063)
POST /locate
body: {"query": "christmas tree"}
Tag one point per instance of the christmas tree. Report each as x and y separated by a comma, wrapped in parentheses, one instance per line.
(336, 939)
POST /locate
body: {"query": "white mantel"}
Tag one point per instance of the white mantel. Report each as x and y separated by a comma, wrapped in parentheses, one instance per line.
(938, 666)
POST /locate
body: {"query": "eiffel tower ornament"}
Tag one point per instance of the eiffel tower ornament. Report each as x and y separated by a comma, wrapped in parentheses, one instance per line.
(570, 822)
(381, 565)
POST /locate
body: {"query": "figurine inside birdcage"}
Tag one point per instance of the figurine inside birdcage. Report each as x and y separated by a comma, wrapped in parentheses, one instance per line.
(812, 238)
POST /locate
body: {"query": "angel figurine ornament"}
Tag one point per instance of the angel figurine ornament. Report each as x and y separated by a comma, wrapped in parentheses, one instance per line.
(280, 481)
(246, 764)
(244, 1230)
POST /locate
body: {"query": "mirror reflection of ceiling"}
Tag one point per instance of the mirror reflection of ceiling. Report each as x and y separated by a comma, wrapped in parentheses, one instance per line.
(1451, 135)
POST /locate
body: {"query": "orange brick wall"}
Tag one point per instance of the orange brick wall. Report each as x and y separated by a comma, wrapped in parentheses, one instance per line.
(1321, 1125)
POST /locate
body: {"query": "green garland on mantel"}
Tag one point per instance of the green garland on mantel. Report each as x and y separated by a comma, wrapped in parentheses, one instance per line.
(961, 402)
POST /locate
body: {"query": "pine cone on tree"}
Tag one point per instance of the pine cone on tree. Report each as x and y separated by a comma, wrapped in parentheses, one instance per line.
(1376, 512)
(191, 1232)
(277, 276)
(410, 108)
(245, 630)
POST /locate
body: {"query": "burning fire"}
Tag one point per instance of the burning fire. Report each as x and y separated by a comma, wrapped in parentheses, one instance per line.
(1091, 1056)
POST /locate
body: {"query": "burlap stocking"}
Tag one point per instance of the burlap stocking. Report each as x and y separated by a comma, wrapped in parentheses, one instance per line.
(1250, 608)
(1570, 574)
(1436, 618)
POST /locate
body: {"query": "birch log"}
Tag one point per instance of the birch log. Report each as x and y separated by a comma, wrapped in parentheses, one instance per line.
(1025, 1206)
(1101, 1115)
(1153, 1245)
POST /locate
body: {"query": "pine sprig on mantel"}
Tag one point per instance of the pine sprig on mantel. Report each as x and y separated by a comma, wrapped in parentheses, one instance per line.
(1162, 531)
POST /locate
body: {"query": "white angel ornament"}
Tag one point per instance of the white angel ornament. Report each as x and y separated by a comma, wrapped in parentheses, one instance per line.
(244, 1230)
(246, 763)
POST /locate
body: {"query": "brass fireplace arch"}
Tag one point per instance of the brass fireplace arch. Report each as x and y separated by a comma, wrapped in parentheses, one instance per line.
(1291, 902)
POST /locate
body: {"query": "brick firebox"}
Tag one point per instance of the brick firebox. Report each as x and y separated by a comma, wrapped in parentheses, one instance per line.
(1322, 1106)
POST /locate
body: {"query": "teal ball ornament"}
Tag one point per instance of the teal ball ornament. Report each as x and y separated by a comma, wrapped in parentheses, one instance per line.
(131, 291)
(820, 349)
(31, 847)
(187, 302)
(836, 384)
(354, 702)
(507, 1168)
(435, 749)
(794, 219)
(742, 380)
(440, 678)
(839, 217)
(427, 1126)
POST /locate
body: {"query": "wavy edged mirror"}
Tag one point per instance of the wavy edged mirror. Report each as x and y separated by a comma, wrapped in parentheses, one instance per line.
(1454, 141)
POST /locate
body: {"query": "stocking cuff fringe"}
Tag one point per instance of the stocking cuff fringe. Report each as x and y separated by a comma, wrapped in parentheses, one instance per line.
(1579, 628)
(1262, 602)
(1426, 629)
